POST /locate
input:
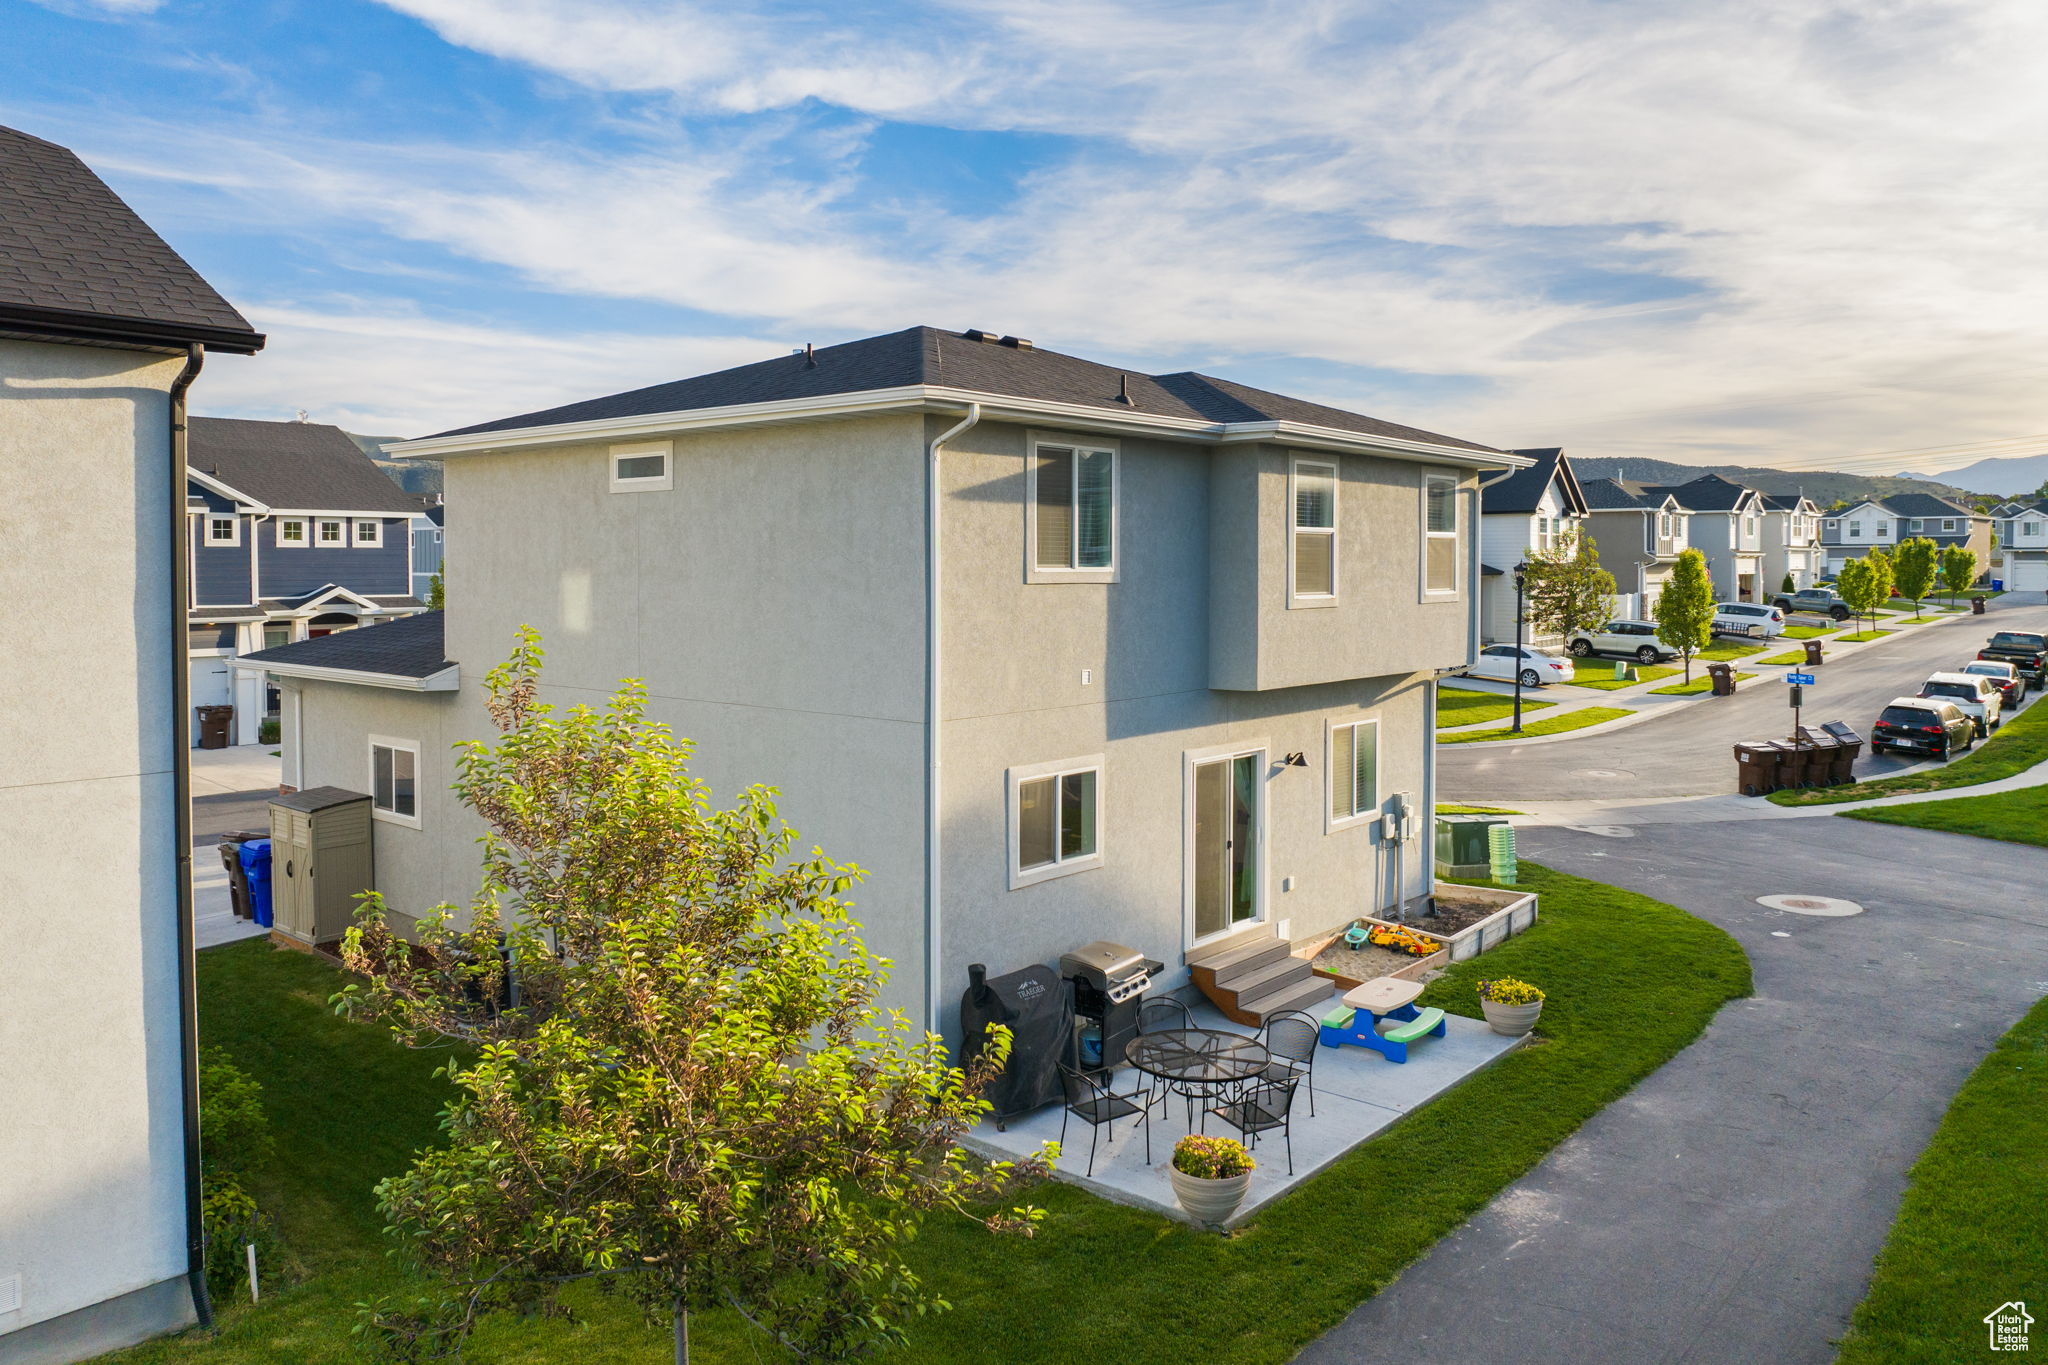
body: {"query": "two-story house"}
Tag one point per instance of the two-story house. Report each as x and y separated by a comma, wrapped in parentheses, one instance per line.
(1791, 536)
(1639, 534)
(2023, 541)
(1851, 532)
(1057, 651)
(293, 532)
(429, 535)
(1726, 526)
(104, 331)
(1530, 509)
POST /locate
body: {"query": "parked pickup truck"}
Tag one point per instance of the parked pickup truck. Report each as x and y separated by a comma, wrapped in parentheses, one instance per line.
(1820, 601)
(2023, 649)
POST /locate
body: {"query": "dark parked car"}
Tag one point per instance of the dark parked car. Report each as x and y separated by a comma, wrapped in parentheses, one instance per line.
(2004, 675)
(1923, 725)
(2023, 649)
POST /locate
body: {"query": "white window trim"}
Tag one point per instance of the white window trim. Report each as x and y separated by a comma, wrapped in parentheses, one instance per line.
(1313, 599)
(355, 531)
(234, 534)
(1370, 816)
(419, 787)
(653, 483)
(305, 533)
(1426, 535)
(1032, 572)
(1948, 523)
(1190, 759)
(340, 542)
(1014, 780)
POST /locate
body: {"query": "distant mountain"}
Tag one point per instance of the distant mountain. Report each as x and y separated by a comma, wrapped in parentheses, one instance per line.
(1823, 486)
(414, 476)
(2007, 476)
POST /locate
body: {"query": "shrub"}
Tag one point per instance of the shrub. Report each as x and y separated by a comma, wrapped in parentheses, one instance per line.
(1211, 1158)
(234, 1141)
(269, 732)
(1508, 991)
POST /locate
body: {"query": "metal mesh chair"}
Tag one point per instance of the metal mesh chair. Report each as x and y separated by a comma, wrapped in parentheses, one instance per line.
(1091, 1101)
(1261, 1109)
(1157, 1016)
(1293, 1038)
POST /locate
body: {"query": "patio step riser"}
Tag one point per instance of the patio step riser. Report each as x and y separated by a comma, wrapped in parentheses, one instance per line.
(1246, 962)
(1260, 978)
(1284, 970)
(1303, 995)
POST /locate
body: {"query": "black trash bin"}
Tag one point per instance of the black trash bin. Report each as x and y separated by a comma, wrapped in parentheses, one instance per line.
(1756, 768)
(1723, 677)
(1976, 606)
(1845, 757)
(1823, 753)
(1813, 654)
(213, 726)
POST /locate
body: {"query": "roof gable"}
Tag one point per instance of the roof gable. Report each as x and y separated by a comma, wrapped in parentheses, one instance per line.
(1523, 490)
(298, 466)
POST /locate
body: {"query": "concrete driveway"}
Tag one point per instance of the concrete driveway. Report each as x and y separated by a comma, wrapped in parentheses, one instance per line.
(1728, 1208)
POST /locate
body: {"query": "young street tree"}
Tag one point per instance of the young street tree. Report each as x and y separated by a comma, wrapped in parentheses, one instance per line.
(1885, 582)
(1566, 590)
(1958, 570)
(684, 1088)
(1685, 609)
(1860, 586)
(1914, 567)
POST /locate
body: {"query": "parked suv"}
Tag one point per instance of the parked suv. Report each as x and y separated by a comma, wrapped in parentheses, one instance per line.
(2011, 685)
(2022, 649)
(1922, 725)
(1976, 697)
(1748, 618)
(1820, 601)
(1636, 639)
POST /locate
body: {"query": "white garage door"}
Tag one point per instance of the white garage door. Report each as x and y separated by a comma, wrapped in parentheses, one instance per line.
(2027, 575)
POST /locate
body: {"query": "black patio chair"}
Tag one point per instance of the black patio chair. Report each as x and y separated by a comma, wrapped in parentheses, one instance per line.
(1165, 1012)
(1264, 1107)
(1091, 1100)
(1292, 1039)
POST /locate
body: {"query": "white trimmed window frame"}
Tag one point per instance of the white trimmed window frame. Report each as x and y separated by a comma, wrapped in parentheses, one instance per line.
(1426, 536)
(285, 542)
(1295, 530)
(1013, 781)
(355, 531)
(1948, 523)
(339, 540)
(234, 525)
(1033, 573)
(639, 482)
(1368, 814)
(396, 746)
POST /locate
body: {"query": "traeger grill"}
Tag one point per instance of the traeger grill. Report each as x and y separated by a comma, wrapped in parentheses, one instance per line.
(1109, 980)
(1033, 1004)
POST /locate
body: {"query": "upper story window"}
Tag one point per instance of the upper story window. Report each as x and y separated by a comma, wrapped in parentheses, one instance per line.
(1667, 525)
(1948, 523)
(643, 467)
(2032, 528)
(1054, 827)
(291, 532)
(1315, 530)
(369, 531)
(1855, 530)
(1749, 528)
(1070, 509)
(1439, 534)
(223, 530)
(394, 780)
(1354, 772)
(1831, 526)
(1918, 523)
(1884, 530)
(330, 531)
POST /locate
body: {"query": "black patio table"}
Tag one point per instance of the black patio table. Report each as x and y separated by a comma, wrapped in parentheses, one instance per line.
(1198, 1063)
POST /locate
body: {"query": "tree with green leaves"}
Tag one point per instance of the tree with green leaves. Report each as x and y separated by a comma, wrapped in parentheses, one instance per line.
(1887, 578)
(684, 1088)
(1860, 586)
(1914, 566)
(1685, 609)
(1566, 590)
(1788, 587)
(1958, 570)
(437, 592)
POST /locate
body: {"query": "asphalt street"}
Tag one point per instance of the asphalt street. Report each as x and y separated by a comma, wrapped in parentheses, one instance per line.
(1689, 751)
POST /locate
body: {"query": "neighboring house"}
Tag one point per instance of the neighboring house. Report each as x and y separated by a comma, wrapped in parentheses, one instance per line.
(293, 531)
(1791, 534)
(1152, 592)
(1726, 526)
(1529, 509)
(102, 331)
(2023, 543)
(1851, 532)
(1639, 535)
(427, 532)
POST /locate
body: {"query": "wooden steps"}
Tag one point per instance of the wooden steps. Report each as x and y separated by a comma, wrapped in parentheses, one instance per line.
(1256, 975)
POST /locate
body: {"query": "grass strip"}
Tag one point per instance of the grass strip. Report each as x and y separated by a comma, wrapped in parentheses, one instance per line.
(1728, 651)
(1458, 706)
(2017, 746)
(1969, 1236)
(1697, 685)
(1790, 656)
(2017, 817)
(1863, 635)
(1570, 720)
(1475, 810)
(1808, 632)
(1599, 673)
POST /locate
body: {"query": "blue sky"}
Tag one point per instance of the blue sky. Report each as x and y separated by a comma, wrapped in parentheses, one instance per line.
(1801, 234)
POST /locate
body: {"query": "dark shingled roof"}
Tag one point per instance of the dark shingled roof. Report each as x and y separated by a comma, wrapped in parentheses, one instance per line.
(1708, 493)
(301, 465)
(1605, 495)
(1923, 505)
(73, 257)
(928, 356)
(1522, 490)
(410, 647)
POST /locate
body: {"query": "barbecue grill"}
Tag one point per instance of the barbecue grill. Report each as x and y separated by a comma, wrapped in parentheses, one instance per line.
(1109, 981)
(1034, 1005)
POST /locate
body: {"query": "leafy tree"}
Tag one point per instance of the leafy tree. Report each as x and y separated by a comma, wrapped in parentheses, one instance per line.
(1788, 587)
(1958, 569)
(1887, 577)
(1685, 609)
(437, 592)
(1915, 565)
(683, 1087)
(1566, 589)
(1861, 586)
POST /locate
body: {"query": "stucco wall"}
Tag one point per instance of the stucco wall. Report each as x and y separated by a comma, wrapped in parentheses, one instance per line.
(91, 1161)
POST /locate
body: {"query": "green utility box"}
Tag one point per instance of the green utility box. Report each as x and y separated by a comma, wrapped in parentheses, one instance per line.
(1461, 845)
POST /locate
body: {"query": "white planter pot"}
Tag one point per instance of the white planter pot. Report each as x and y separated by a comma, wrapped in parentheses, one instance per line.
(1511, 1020)
(1209, 1201)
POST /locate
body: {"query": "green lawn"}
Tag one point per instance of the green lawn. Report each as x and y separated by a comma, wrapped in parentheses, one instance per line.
(1809, 632)
(2019, 817)
(1600, 673)
(1970, 1235)
(1698, 685)
(1862, 636)
(1727, 652)
(1631, 981)
(1570, 720)
(1790, 656)
(2017, 746)
(1457, 706)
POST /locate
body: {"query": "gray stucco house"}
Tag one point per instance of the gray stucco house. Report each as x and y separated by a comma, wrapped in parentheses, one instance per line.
(103, 329)
(1030, 638)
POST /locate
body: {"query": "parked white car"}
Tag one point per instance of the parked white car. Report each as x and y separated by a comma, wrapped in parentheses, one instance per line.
(1976, 696)
(1499, 662)
(1631, 639)
(1748, 618)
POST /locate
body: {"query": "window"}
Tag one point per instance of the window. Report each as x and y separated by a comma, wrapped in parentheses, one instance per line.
(369, 531)
(1071, 508)
(276, 633)
(1948, 523)
(2032, 528)
(1667, 525)
(330, 531)
(394, 780)
(1354, 772)
(223, 530)
(643, 467)
(1917, 523)
(1315, 531)
(1831, 526)
(1855, 530)
(1053, 819)
(1749, 528)
(291, 532)
(1439, 534)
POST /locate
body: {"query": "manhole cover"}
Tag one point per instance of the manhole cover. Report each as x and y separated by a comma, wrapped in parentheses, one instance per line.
(1811, 905)
(1599, 774)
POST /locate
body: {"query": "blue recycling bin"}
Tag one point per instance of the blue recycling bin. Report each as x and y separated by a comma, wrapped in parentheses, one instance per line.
(256, 867)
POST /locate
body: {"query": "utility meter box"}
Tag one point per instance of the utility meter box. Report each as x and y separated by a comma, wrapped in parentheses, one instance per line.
(320, 859)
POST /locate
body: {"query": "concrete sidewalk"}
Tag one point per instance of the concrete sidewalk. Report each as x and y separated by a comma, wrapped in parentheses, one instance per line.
(238, 768)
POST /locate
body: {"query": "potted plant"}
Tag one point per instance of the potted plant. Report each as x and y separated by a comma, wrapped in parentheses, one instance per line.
(1511, 1006)
(1210, 1175)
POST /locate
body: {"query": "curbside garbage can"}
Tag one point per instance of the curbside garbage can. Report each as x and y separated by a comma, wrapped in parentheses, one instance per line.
(1756, 768)
(238, 880)
(256, 866)
(1793, 765)
(1844, 771)
(1976, 606)
(1813, 654)
(1723, 676)
(1822, 749)
(213, 726)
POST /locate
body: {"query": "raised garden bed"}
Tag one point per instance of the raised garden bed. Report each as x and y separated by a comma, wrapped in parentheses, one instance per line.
(1469, 920)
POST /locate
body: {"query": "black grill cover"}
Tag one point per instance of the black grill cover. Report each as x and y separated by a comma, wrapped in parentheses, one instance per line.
(1036, 1007)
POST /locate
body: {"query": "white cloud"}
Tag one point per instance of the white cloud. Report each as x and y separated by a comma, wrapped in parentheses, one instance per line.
(100, 8)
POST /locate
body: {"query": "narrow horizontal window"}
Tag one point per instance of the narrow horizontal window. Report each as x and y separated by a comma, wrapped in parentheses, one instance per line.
(643, 467)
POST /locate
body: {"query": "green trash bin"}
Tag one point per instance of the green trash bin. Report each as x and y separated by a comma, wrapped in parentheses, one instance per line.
(1461, 845)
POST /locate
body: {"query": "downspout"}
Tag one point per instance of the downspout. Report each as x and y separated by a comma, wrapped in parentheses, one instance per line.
(181, 826)
(933, 494)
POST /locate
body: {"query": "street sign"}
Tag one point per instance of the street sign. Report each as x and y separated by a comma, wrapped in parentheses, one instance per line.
(1799, 679)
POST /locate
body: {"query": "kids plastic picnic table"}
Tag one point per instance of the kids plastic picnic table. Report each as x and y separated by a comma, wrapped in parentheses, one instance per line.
(1356, 1021)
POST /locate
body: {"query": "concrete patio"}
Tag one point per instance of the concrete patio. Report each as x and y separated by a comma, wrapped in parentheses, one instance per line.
(1358, 1093)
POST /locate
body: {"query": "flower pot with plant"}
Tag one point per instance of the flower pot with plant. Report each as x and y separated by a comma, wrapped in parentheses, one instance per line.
(1511, 1006)
(1210, 1175)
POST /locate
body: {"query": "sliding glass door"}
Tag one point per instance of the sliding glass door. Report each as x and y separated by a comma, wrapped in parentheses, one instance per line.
(1225, 844)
